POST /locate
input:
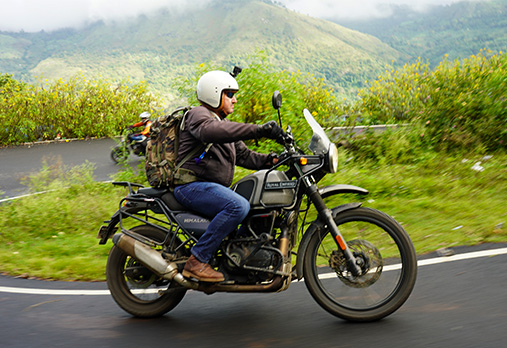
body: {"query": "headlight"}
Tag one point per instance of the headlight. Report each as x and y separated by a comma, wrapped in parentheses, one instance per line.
(332, 158)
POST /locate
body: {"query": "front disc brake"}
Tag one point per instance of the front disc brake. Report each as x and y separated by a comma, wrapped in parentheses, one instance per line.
(368, 258)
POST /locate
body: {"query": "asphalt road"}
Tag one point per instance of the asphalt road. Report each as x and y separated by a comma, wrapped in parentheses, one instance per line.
(19, 161)
(454, 304)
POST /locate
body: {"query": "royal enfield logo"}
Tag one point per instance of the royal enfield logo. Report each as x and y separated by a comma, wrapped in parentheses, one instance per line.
(195, 221)
(277, 185)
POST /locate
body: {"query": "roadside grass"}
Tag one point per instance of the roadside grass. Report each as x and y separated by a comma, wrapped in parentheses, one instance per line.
(441, 202)
(51, 235)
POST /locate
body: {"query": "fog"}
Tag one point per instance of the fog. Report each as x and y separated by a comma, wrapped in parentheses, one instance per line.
(359, 9)
(36, 15)
(48, 15)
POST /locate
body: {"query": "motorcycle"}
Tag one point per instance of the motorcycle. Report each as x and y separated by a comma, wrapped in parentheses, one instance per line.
(127, 145)
(358, 263)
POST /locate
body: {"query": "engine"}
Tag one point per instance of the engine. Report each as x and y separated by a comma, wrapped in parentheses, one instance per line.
(251, 262)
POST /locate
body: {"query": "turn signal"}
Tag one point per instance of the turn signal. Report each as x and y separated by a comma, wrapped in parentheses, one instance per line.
(303, 161)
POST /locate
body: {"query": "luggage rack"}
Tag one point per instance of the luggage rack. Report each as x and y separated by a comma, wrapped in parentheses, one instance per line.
(136, 205)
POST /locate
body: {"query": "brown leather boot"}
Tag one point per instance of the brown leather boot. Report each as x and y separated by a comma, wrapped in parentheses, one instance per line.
(201, 271)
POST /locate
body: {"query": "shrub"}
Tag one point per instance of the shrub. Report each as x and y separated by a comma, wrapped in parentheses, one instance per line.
(76, 108)
(458, 106)
(468, 106)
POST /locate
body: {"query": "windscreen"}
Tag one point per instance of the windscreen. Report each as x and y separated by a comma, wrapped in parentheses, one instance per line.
(319, 144)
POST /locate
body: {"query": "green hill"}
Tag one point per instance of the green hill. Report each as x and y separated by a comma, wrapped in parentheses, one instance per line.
(458, 30)
(163, 47)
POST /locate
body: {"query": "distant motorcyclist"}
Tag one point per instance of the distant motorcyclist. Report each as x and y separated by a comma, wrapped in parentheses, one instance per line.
(145, 122)
(133, 141)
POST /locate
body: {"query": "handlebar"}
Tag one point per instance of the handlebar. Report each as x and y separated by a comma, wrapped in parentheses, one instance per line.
(287, 140)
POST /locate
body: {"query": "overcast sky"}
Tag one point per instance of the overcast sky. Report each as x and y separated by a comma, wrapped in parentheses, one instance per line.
(36, 15)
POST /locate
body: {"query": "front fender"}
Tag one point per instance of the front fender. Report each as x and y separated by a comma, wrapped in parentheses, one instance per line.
(315, 227)
(331, 190)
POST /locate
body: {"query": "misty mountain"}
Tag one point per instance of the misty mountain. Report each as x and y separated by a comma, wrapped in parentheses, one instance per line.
(458, 30)
(163, 47)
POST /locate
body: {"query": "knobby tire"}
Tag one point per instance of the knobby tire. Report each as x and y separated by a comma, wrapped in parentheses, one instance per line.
(138, 295)
(383, 288)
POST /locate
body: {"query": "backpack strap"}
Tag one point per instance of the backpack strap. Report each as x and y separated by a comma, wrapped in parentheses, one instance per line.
(189, 155)
(196, 150)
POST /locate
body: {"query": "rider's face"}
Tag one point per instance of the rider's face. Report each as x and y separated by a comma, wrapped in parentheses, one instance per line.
(229, 99)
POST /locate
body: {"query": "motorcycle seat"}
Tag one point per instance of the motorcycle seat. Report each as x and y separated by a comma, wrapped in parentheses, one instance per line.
(153, 192)
(165, 194)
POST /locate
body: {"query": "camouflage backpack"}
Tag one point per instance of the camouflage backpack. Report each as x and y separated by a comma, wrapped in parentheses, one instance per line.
(162, 151)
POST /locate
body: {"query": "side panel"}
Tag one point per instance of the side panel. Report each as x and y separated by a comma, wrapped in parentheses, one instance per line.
(193, 223)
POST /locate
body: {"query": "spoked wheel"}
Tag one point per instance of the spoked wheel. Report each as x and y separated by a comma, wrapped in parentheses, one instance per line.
(119, 153)
(135, 288)
(387, 259)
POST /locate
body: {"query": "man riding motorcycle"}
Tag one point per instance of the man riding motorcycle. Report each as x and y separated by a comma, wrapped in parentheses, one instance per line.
(145, 122)
(210, 195)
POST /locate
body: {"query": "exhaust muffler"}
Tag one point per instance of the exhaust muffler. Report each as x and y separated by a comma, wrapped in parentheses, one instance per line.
(151, 259)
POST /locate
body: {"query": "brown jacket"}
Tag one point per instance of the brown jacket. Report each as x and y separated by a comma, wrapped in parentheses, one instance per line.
(204, 127)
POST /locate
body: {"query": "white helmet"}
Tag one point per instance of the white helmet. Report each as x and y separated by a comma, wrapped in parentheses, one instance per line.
(211, 85)
(145, 115)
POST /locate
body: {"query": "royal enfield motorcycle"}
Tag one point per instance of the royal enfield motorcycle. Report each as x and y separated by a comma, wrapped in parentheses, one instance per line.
(358, 263)
(127, 145)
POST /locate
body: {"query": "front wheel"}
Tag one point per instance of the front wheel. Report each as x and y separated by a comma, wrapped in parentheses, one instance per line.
(387, 259)
(119, 153)
(135, 288)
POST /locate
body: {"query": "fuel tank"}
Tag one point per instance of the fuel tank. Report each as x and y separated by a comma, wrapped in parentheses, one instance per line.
(277, 190)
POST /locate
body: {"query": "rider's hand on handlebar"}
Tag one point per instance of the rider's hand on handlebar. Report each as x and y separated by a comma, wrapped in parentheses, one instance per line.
(272, 159)
(270, 130)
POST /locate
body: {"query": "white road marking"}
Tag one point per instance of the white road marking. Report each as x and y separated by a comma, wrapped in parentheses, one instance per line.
(427, 262)
(23, 196)
(36, 193)
(32, 291)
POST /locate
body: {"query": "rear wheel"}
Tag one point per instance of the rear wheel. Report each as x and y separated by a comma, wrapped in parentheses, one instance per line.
(387, 259)
(135, 288)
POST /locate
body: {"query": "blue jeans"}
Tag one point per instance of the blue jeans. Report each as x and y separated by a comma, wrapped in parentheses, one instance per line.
(226, 208)
(137, 137)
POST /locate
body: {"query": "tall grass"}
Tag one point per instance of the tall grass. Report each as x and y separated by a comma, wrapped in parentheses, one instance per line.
(52, 235)
(442, 203)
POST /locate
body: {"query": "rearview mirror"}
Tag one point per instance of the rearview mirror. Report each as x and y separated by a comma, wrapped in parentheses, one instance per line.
(277, 100)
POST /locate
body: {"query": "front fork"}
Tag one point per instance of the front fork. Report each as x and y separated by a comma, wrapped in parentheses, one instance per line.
(327, 217)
